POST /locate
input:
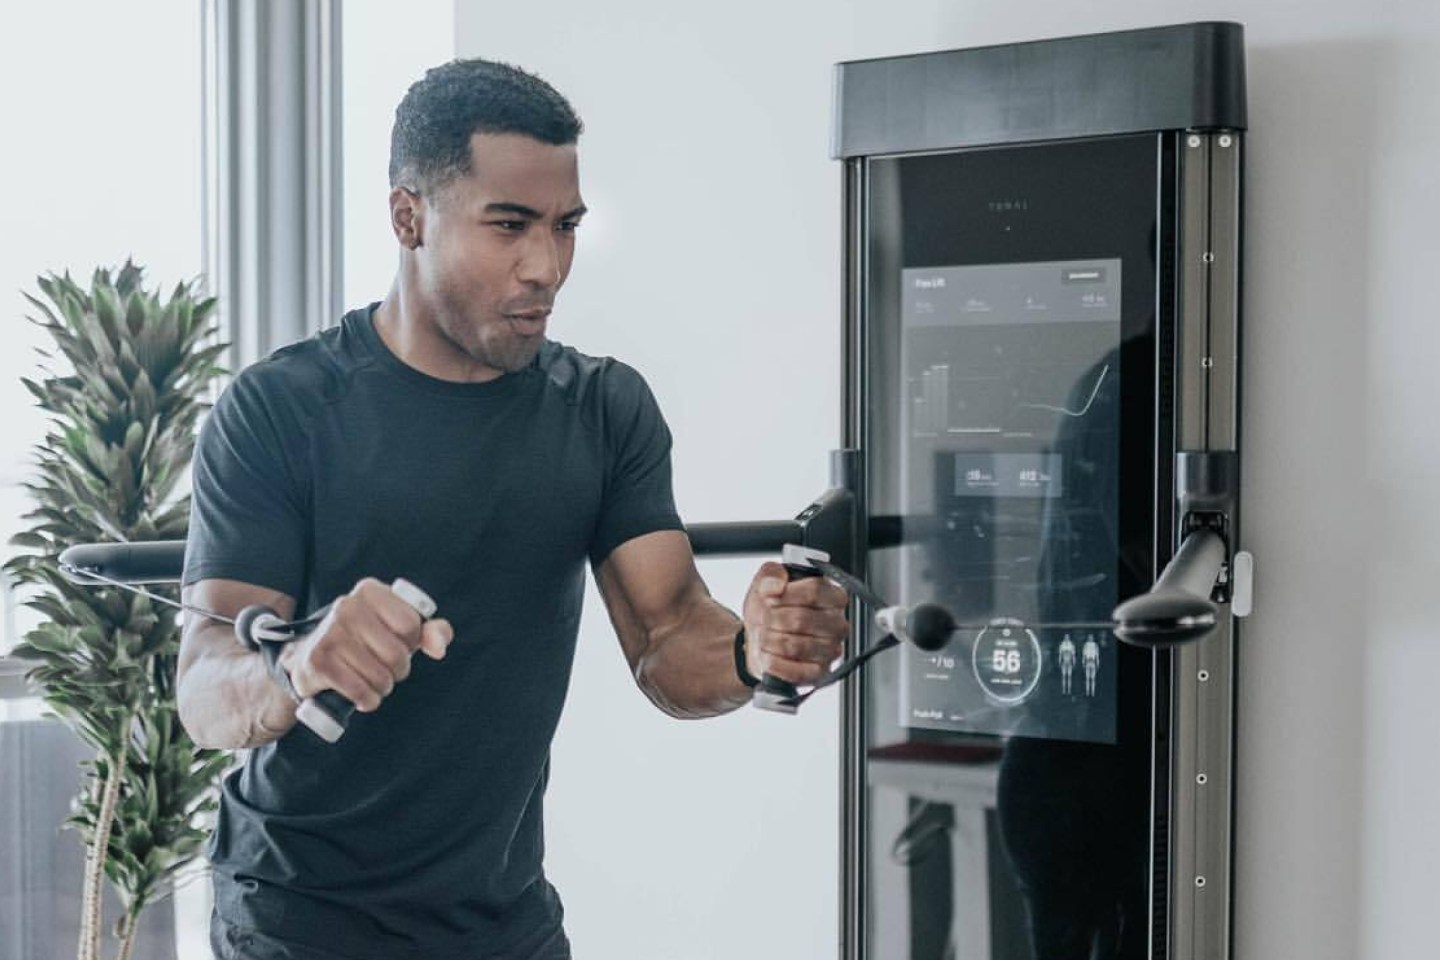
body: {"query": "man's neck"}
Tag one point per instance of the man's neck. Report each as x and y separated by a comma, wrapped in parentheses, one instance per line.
(412, 335)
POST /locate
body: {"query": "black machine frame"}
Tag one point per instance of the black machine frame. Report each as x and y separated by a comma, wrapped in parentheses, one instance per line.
(1185, 84)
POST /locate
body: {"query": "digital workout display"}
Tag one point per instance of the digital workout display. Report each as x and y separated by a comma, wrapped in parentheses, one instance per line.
(1009, 416)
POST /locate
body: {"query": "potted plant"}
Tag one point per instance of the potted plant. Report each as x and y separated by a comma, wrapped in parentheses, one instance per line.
(137, 369)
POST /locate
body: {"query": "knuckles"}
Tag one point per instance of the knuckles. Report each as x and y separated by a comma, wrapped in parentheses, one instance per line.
(366, 586)
(824, 624)
(816, 592)
(801, 648)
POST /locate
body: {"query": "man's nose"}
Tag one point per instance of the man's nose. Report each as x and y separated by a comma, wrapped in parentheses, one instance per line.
(540, 259)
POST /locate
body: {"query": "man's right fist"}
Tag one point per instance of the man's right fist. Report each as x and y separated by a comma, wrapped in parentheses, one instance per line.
(362, 647)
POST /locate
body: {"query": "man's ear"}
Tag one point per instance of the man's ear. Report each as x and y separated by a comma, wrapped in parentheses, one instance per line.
(407, 217)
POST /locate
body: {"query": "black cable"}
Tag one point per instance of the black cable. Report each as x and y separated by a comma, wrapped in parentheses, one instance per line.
(84, 575)
(847, 668)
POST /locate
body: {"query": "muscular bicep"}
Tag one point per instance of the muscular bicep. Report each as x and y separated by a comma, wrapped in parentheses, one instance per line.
(650, 585)
(201, 638)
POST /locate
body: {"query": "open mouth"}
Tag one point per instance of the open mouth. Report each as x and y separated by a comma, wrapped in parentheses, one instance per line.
(529, 323)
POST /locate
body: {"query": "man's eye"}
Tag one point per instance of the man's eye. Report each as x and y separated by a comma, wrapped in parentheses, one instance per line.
(568, 226)
(510, 226)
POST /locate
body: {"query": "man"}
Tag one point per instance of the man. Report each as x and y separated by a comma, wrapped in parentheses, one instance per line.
(440, 437)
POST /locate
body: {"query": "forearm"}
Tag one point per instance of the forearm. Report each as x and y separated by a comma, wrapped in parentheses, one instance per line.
(688, 667)
(226, 696)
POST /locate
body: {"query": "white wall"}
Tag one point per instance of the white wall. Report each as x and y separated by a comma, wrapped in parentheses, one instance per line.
(712, 265)
(378, 65)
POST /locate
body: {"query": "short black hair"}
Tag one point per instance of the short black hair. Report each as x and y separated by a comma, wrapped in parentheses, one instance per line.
(430, 142)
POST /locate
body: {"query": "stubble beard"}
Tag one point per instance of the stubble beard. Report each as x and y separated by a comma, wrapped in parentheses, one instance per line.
(494, 344)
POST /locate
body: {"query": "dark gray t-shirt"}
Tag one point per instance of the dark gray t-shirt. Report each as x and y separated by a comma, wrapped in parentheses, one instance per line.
(418, 834)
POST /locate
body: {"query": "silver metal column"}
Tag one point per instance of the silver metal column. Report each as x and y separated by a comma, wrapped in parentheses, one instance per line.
(272, 169)
(1203, 682)
(854, 383)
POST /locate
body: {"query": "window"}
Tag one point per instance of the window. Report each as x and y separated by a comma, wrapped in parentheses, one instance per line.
(101, 111)
(101, 107)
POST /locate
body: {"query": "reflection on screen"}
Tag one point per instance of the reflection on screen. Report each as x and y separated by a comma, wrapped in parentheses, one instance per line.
(1010, 419)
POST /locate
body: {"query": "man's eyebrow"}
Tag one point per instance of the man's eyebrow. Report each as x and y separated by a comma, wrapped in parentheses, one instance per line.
(519, 209)
(530, 213)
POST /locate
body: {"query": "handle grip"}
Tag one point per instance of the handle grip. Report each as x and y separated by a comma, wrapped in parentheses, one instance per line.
(773, 693)
(328, 712)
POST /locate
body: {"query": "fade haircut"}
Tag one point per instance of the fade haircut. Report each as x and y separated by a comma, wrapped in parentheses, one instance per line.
(430, 142)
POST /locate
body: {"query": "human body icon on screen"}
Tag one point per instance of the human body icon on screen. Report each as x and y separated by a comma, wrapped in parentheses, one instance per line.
(1067, 663)
(1091, 654)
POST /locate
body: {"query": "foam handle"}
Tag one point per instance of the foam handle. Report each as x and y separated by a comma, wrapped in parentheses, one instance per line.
(328, 713)
(773, 689)
(157, 561)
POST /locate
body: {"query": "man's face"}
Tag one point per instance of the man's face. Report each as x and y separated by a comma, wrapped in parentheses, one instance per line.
(496, 246)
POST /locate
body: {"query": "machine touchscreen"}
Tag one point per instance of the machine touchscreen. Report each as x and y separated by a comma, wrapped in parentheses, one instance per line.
(1011, 427)
(1011, 424)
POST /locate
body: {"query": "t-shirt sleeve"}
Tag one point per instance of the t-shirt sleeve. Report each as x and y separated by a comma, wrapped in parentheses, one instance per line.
(247, 515)
(638, 497)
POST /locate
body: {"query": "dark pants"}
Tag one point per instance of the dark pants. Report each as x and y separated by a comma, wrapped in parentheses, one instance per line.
(235, 943)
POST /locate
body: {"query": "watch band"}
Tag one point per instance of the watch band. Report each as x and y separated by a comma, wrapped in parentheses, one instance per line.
(746, 677)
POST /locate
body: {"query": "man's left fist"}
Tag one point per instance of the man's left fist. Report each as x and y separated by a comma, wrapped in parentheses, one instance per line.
(794, 629)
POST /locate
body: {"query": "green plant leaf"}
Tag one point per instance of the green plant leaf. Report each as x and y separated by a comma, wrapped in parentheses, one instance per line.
(123, 389)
